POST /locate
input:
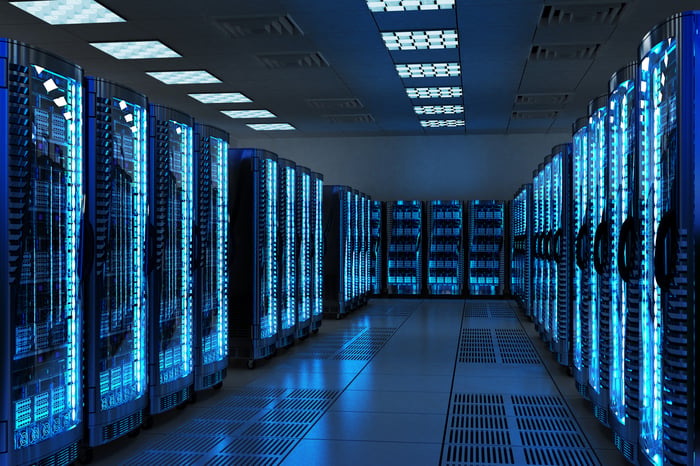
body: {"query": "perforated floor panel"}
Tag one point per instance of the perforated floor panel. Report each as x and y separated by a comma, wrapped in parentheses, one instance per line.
(496, 346)
(489, 429)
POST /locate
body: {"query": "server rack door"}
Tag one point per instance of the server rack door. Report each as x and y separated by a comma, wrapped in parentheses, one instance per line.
(317, 251)
(581, 273)
(210, 339)
(486, 248)
(253, 296)
(171, 197)
(668, 91)
(376, 250)
(404, 255)
(599, 323)
(41, 192)
(336, 250)
(538, 230)
(445, 248)
(624, 296)
(518, 225)
(287, 253)
(303, 252)
(549, 280)
(356, 236)
(115, 258)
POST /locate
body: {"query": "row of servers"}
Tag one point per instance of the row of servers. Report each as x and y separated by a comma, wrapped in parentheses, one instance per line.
(608, 234)
(113, 217)
(429, 248)
(275, 274)
(347, 217)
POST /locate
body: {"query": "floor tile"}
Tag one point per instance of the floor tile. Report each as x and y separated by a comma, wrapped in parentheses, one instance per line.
(352, 453)
(392, 402)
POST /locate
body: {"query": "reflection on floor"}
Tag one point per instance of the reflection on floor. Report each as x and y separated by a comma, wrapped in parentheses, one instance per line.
(419, 382)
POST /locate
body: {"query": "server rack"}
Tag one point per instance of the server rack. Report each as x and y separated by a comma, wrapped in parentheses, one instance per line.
(287, 310)
(521, 247)
(668, 189)
(547, 281)
(377, 236)
(599, 323)
(445, 247)
(171, 204)
(304, 201)
(624, 296)
(404, 250)
(538, 236)
(486, 254)
(41, 189)
(365, 287)
(210, 264)
(356, 245)
(253, 268)
(114, 252)
(337, 251)
(582, 227)
(560, 243)
(317, 251)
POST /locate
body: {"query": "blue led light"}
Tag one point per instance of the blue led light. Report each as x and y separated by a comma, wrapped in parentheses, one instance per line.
(580, 178)
(304, 249)
(268, 321)
(289, 292)
(318, 249)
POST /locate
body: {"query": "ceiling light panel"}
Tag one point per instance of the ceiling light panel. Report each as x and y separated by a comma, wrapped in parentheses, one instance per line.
(441, 123)
(421, 40)
(69, 11)
(184, 77)
(136, 50)
(221, 98)
(409, 5)
(433, 92)
(271, 127)
(428, 70)
(248, 114)
(438, 109)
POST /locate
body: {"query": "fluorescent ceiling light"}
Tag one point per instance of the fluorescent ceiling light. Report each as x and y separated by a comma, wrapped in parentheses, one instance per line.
(184, 77)
(69, 11)
(441, 123)
(60, 101)
(50, 85)
(438, 109)
(136, 50)
(248, 114)
(433, 92)
(221, 98)
(271, 127)
(408, 5)
(428, 70)
(421, 40)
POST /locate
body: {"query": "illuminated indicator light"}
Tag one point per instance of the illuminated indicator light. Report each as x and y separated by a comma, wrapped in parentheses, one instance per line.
(136, 50)
(184, 77)
(69, 11)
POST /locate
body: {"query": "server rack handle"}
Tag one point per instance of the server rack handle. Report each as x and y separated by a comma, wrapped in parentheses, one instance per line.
(665, 250)
(547, 246)
(626, 249)
(556, 245)
(600, 252)
(581, 247)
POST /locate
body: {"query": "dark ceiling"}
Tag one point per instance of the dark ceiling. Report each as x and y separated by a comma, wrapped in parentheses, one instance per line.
(528, 66)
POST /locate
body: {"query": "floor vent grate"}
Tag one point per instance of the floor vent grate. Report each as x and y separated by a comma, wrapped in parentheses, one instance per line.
(365, 345)
(260, 446)
(242, 460)
(558, 457)
(157, 457)
(515, 347)
(187, 443)
(208, 427)
(476, 346)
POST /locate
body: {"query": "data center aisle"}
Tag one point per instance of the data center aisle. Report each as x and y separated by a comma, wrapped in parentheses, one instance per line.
(422, 382)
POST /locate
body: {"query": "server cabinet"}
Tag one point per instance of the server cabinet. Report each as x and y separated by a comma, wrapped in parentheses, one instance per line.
(538, 280)
(253, 267)
(560, 244)
(364, 247)
(304, 201)
(210, 341)
(668, 189)
(599, 323)
(521, 247)
(544, 215)
(316, 250)
(376, 264)
(624, 279)
(171, 204)
(337, 247)
(445, 248)
(41, 314)
(581, 287)
(114, 251)
(287, 274)
(404, 250)
(356, 245)
(486, 254)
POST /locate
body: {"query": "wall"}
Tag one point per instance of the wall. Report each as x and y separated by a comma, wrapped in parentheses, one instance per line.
(420, 167)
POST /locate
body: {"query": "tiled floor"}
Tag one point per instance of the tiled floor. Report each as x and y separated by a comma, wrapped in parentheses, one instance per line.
(415, 382)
